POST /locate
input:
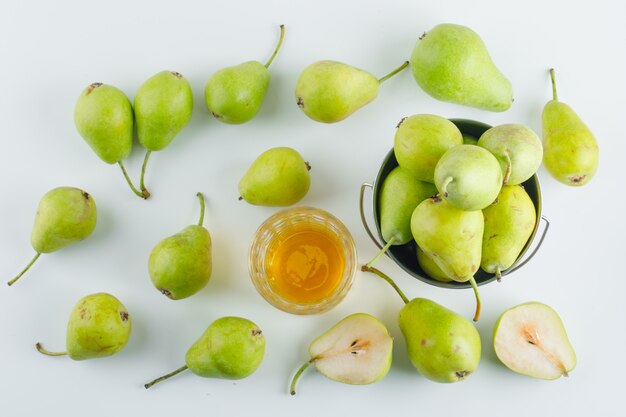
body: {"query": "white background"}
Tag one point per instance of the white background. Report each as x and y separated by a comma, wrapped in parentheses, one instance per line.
(51, 50)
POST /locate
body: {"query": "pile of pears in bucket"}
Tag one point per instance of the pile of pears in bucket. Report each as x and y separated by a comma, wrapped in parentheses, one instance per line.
(461, 202)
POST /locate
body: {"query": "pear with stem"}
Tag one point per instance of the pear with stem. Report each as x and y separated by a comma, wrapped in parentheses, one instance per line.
(357, 351)
(235, 94)
(570, 150)
(181, 265)
(65, 215)
(442, 345)
(104, 118)
(163, 107)
(329, 91)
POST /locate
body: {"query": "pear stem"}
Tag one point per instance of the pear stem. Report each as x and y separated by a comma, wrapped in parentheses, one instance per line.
(394, 72)
(164, 377)
(24, 270)
(554, 96)
(292, 387)
(444, 186)
(366, 268)
(46, 352)
(280, 42)
(144, 190)
(472, 281)
(201, 198)
(382, 251)
(498, 274)
(507, 173)
(132, 187)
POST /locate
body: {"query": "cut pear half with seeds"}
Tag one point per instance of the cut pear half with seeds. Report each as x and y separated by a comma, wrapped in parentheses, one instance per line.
(357, 351)
(530, 339)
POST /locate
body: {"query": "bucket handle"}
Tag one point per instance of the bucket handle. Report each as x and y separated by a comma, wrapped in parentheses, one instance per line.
(363, 219)
(532, 254)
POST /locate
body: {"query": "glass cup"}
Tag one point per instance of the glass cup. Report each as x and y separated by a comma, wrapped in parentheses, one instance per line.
(303, 260)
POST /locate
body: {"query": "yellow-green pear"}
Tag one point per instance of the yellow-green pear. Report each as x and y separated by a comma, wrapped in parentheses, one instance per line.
(235, 94)
(570, 149)
(163, 107)
(509, 222)
(230, 348)
(468, 177)
(357, 351)
(181, 265)
(65, 215)
(451, 63)
(442, 345)
(99, 326)
(421, 140)
(452, 238)
(278, 177)
(329, 91)
(530, 339)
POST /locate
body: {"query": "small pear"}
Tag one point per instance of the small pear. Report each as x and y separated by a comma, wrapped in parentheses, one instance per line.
(517, 148)
(451, 237)
(451, 63)
(65, 215)
(330, 91)
(235, 94)
(99, 326)
(421, 140)
(400, 193)
(357, 350)
(104, 118)
(181, 265)
(163, 106)
(468, 177)
(278, 177)
(442, 345)
(530, 339)
(570, 149)
(230, 348)
(509, 222)
(430, 267)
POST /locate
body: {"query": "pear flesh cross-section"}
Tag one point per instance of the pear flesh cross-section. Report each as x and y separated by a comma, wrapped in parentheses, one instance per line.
(530, 339)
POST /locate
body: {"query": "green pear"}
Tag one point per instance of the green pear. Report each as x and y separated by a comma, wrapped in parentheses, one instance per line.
(570, 149)
(451, 63)
(104, 118)
(235, 94)
(278, 177)
(430, 267)
(530, 339)
(181, 265)
(451, 237)
(421, 140)
(509, 222)
(163, 107)
(400, 193)
(99, 326)
(357, 350)
(65, 215)
(330, 91)
(468, 177)
(442, 345)
(517, 148)
(230, 348)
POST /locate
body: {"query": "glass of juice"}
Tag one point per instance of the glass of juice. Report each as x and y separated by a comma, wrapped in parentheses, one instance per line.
(303, 260)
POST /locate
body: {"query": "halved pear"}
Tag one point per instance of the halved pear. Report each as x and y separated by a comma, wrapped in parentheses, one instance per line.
(357, 351)
(530, 339)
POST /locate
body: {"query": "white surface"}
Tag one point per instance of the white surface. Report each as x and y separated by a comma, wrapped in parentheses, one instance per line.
(52, 50)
